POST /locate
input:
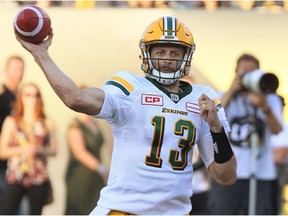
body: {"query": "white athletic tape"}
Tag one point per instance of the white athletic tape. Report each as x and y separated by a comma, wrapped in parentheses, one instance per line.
(37, 29)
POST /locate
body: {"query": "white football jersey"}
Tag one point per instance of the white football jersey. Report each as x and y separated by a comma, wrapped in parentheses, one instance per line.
(154, 134)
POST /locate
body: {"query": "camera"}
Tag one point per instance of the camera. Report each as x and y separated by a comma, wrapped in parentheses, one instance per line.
(260, 82)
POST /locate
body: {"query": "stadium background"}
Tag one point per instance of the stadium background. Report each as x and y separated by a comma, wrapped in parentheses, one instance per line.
(92, 44)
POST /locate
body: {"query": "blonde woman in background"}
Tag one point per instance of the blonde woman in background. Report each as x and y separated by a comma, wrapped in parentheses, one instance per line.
(27, 140)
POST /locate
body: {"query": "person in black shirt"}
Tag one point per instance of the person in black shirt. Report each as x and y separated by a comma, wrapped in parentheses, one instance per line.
(13, 74)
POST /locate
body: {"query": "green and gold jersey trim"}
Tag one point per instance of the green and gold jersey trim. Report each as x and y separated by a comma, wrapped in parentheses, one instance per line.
(122, 84)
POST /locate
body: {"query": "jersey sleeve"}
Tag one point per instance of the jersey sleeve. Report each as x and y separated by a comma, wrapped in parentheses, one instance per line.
(118, 98)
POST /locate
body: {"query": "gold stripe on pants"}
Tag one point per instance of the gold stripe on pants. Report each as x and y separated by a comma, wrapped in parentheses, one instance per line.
(115, 212)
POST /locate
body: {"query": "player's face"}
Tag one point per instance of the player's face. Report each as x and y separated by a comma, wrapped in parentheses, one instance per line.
(167, 58)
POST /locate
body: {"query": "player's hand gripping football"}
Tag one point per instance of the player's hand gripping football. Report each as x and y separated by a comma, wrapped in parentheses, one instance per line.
(209, 113)
(35, 49)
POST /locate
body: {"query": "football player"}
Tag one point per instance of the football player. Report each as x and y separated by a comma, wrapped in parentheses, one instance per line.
(156, 121)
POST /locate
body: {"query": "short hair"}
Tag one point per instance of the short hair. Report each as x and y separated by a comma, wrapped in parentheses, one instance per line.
(13, 57)
(248, 57)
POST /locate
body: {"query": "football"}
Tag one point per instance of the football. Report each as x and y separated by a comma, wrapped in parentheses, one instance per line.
(32, 24)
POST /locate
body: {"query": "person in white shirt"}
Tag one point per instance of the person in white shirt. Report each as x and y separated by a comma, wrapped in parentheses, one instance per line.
(249, 112)
(279, 144)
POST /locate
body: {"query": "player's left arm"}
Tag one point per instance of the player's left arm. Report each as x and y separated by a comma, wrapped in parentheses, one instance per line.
(223, 168)
(224, 173)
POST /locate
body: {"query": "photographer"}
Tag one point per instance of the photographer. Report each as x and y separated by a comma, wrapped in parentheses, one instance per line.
(249, 112)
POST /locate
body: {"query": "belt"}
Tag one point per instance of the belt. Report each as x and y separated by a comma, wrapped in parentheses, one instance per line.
(115, 212)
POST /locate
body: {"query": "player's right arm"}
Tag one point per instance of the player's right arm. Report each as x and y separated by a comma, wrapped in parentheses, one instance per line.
(88, 101)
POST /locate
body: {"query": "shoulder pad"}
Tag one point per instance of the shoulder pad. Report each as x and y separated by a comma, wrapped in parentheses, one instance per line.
(124, 81)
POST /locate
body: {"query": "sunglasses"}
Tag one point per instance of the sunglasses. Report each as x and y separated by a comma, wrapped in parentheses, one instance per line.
(34, 95)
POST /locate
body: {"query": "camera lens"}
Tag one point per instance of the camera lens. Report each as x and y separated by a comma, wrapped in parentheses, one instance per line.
(268, 83)
(258, 81)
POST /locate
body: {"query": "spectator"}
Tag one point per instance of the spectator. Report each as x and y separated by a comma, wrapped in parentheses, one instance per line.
(87, 4)
(210, 5)
(40, 3)
(280, 152)
(245, 5)
(84, 178)
(27, 140)
(148, 4)
(200, 185)
(246, 110)
(13, 74)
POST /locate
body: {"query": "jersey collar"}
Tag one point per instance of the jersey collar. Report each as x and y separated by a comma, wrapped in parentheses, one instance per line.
(185, 87)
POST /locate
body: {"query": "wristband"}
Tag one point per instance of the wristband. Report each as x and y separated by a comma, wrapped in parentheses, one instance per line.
(222, 147)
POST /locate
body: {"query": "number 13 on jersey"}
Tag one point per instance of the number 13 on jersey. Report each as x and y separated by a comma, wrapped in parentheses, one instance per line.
(177, 158)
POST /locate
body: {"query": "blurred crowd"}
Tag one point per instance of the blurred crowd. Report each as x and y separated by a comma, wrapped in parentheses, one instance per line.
(273, 6)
